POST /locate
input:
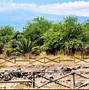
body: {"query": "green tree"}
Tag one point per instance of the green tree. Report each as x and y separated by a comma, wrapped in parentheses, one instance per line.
(23, 46)
(36, 29)
(6, 33)
(73, 32)
(52, 41)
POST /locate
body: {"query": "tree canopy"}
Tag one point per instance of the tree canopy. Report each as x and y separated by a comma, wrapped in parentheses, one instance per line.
(42, 35)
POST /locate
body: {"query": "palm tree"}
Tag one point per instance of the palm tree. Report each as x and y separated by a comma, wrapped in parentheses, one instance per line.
(23, 46)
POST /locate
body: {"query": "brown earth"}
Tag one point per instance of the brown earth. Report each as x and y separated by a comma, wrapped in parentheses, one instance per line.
(57, 70)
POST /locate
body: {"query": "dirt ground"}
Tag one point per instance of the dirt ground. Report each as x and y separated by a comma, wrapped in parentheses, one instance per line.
(56, 71)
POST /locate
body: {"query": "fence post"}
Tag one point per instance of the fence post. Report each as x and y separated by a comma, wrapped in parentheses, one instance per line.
(14, 60)
(74, 59)
(59, 59)
(29, 61)
(33, 79)
(44, 59)
(73, 80)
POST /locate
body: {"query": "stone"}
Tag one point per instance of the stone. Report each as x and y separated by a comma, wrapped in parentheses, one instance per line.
(24, 74)
(7, 77)
(16, 74)
(78, 84)
(29, 77)
(66, 70)
(55, 70)
(51, 78)
(68, 80)
(86, 72)
(78, 67)
(74, 69)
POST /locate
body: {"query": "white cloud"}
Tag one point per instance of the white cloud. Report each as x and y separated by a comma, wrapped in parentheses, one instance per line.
(79, 8)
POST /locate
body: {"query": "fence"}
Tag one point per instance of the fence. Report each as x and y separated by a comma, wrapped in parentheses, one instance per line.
(80, 59)
(56, 60)
(36, 75)
(23, 81)
(55, 81)
(45, 60)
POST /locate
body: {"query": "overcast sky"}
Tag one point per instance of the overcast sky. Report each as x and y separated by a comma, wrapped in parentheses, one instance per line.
(15, 12)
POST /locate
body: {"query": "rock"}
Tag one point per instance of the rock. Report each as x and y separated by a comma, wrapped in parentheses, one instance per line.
(43, 82)
(86, 72)
(7, 77)
(24, 77)
(24, 74)
(78, 67)
(55, 70)
(78, 84)
(38, 74)
(17, 74)
(2, 73)
(74, 69)
(66, 70)
(51, 77)
(29, 77)
(85, 67)
(68, 80)
(19, 69)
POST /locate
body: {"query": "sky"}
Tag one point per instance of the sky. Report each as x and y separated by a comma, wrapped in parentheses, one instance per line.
(17, 12)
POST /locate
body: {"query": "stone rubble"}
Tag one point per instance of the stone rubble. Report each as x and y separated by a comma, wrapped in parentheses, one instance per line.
(55, 71)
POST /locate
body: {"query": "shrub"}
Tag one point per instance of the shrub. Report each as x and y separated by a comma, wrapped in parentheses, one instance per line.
(36, 50)
(1, 48)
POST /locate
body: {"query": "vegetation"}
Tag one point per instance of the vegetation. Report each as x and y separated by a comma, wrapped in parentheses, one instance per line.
(39, 35)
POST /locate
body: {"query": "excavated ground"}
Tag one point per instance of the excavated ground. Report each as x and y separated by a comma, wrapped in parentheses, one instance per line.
(25, 72)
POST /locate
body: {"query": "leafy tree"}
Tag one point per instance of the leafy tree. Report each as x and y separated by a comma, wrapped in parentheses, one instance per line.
(17, 35)
(73, 34)
(52, 41)
(6, 33)
(86, 30)
(72, 29)
(72, 46)
(36, 29)
(42, 35)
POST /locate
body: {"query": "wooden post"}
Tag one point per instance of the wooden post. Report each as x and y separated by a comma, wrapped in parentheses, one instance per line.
(74, 59)
(29, 84)
(59, 59)
(73, 80)
(29, 59)
(44, 59)
(14, 60)
(33, 79)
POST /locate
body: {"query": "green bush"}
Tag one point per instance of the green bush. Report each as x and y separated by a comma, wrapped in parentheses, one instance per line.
(1, 48)
(87, 50)
(36, 50)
